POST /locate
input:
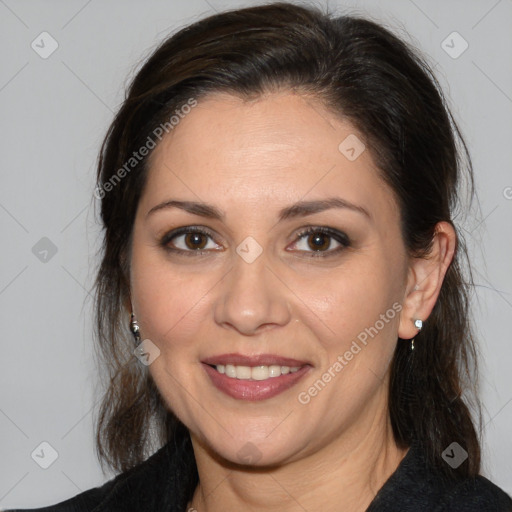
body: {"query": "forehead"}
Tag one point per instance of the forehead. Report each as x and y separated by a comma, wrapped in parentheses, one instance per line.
(281, 147)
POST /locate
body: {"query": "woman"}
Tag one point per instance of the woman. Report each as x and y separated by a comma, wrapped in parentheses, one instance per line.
(277, 194)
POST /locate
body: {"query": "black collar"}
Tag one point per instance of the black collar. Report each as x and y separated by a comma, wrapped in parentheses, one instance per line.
(165, 482)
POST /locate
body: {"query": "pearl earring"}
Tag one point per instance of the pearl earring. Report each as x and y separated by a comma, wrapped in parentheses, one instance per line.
(418, 324)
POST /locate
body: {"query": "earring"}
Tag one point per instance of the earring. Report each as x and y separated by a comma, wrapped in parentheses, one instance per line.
(418, 324)
(134, 327)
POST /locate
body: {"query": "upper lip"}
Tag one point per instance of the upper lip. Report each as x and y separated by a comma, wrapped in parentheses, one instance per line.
(254, 360)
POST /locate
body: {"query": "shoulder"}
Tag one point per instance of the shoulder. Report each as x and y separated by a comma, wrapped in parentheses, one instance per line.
(476, 494)
(159, 483)
(84, 502)
(416, 486)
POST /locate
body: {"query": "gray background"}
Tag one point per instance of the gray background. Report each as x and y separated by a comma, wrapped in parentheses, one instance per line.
(55, 112)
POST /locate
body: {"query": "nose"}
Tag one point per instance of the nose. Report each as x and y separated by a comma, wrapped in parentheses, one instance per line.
(251, 298)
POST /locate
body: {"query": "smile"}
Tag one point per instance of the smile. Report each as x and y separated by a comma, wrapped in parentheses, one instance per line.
(255, 372)
(254, 378)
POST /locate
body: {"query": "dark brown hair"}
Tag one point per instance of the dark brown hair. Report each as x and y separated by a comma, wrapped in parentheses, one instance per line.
(368, 76)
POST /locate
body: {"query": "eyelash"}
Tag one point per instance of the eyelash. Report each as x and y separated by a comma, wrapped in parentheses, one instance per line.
(338, 236)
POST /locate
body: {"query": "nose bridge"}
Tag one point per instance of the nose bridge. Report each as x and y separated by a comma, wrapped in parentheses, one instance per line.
(251, 296)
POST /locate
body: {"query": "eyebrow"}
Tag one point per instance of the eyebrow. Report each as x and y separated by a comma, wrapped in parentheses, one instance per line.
(299, 209)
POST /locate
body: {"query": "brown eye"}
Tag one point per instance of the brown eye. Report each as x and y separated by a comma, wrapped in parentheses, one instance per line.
(319, 241)
(190, 241)
(195, 241)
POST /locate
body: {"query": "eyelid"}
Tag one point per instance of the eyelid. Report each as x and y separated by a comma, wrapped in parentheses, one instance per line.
(166, 239)
(339, 236)
(168, 236)
(307, 230)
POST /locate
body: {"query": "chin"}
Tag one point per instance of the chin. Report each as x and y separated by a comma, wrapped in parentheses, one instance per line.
(253, 449)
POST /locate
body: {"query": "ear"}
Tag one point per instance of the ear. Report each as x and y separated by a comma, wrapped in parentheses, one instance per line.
(425, 278)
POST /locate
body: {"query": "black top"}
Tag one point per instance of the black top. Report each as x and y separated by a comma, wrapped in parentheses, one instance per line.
(162, 483)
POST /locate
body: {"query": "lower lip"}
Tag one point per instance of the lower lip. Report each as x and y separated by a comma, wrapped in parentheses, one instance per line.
(254, 390)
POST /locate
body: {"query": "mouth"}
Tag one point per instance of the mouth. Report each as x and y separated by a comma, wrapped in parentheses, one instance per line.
(255, 372)
(254, 377)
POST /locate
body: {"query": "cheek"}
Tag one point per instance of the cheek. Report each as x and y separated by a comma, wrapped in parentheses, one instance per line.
(359, 312)
(347, 301)
(168, 303)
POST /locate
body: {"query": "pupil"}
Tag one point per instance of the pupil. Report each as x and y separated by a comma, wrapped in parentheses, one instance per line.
(193, 240)
(320, 241)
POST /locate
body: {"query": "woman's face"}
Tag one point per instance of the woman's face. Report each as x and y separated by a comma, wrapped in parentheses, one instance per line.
(254, 295)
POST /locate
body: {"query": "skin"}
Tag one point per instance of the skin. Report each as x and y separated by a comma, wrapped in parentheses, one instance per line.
(250, 159)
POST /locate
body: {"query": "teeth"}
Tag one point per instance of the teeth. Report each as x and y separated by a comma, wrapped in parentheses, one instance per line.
(259, 373)
(231, 371)
(274, 371)
(243, 372)
(255, 372)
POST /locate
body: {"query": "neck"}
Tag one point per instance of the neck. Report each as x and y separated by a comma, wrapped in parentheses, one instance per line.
(348, 471)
